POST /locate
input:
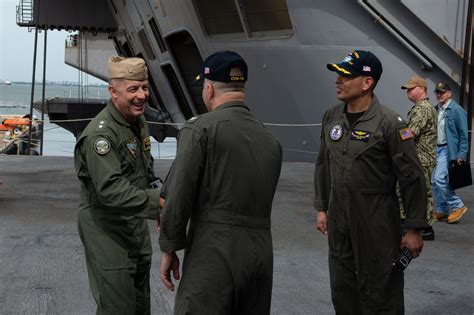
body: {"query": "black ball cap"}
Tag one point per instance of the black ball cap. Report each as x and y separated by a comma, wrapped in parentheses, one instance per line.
(442, 87)
(358, 63)
(219, 67)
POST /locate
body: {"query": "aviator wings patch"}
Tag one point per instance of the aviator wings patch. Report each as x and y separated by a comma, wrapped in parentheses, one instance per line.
(360, 135)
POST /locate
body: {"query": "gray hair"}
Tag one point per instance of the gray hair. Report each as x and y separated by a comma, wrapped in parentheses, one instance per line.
(225, 87)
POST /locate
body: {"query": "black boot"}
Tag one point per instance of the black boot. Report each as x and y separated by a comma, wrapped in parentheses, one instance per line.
(428, 234)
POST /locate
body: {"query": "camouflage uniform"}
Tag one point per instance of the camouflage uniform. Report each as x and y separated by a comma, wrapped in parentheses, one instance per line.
(421, 119)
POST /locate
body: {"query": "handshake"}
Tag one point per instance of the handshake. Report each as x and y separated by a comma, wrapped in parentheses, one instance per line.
(157, 183)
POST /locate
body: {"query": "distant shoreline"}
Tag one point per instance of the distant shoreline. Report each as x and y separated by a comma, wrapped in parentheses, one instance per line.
(54, 83)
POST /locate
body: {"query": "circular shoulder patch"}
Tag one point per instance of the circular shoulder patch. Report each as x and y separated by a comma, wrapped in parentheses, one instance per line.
(102, 146)
(336, 132)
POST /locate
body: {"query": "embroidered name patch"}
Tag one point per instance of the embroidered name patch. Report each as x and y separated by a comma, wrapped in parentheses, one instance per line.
(360, 135)
(406, 134)
(336, 132)
(146, 144)
(132, 146)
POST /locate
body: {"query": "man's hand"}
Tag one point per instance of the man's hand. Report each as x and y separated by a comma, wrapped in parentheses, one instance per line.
(169, 262)
(158, 217)
(413, 241)
(322, 222)
(459, 161)
(158, 222)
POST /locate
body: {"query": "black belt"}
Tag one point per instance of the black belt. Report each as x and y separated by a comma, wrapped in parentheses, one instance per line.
(442, 145)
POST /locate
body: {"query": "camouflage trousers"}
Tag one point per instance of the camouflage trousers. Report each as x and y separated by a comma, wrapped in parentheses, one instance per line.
(430, 204)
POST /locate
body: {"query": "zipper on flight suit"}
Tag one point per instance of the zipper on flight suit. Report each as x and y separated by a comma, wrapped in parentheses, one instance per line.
(346, 141)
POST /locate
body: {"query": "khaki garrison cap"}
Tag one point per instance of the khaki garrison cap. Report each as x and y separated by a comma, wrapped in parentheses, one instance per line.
(127, 68)
(414, 82)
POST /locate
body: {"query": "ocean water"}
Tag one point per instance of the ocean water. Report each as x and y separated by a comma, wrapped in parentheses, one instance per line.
(16, 98)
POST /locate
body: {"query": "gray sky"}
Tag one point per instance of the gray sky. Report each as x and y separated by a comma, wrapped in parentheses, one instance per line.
(17, 47)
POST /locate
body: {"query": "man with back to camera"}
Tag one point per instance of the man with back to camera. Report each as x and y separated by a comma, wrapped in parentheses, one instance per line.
(365, 148)
(421, 120)
(115, 168)
(222, 181)
(452, 147)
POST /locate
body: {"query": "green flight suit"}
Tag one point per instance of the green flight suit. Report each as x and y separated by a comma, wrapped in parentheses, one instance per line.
(114, 166)
(223, 180)
(355, 182)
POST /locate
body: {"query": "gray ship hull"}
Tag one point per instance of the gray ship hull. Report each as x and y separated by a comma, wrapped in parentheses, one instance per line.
(287, 45)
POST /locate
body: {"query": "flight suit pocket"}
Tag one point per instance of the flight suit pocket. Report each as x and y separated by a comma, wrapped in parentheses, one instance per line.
(128, 162)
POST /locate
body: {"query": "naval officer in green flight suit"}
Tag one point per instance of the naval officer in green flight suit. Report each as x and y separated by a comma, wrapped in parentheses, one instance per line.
(222, 181)
(365, 148)
(115, 168)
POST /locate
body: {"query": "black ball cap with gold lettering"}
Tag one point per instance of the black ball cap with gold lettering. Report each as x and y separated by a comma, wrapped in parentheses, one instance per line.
(358, 63)
(221, 65)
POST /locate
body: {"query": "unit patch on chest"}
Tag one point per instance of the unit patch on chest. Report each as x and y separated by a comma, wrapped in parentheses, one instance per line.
(360, 135)
(146, 144)
(406, 134)
(132, 145)
(336, 132)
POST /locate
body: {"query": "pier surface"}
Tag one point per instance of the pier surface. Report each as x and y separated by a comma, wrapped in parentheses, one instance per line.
(42, 264)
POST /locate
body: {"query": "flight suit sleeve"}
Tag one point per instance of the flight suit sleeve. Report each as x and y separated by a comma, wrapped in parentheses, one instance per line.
(182, 186)
(409, 173)
(165, 189)
(322, 176)
(112, 188)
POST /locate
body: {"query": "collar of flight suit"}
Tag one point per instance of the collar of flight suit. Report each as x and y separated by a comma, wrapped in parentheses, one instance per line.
(118, 117)
(371, 110)
(232, 104)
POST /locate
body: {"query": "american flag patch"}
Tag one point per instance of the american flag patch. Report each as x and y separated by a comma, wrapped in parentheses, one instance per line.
(406, 134)
(207, 70)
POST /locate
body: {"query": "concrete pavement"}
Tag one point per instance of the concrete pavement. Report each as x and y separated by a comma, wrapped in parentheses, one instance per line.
(43, 267)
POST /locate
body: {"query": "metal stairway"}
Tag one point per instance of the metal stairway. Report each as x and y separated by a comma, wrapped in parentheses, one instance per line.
(24, 13)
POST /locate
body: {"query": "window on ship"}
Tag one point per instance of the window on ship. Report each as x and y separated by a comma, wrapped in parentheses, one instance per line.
(244, 18)
(219, 16)
(266, 15)
(146, 44)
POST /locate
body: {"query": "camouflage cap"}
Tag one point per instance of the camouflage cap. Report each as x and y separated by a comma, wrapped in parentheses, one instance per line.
(414, 82)
(127, 68)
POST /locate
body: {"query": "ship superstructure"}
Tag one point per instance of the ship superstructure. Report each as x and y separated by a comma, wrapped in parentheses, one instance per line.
(287, 45)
